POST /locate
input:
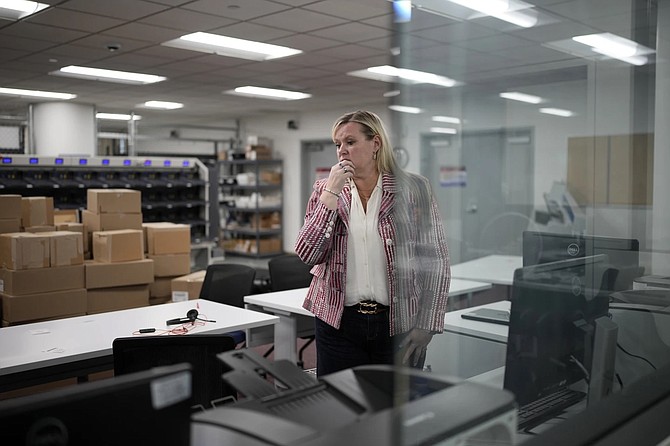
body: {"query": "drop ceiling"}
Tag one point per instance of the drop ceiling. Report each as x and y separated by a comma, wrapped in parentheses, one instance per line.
(336, 37)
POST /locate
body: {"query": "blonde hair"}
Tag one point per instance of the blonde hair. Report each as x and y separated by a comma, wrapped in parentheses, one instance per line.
(371, 125)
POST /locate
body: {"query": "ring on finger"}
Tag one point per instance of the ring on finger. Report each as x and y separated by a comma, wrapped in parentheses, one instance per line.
(340, 163)
(346, 170)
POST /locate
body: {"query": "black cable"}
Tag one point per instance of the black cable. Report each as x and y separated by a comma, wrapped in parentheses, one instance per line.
(618, 378)
(636, 356)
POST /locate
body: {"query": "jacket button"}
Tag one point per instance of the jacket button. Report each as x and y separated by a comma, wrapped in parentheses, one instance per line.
(389, 242)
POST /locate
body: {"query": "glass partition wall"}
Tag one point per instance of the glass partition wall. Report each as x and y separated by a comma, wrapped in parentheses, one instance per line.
(548, 116)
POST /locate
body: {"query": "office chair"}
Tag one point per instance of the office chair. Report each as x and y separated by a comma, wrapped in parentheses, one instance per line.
(228, 283)
(288, 272)
(133, 354)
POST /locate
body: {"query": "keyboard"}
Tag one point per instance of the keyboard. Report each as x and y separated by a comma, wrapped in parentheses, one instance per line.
(538, 411)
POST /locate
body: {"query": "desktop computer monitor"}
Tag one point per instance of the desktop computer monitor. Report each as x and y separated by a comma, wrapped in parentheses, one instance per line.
(149, 407)
(623, 254)
(551, 328)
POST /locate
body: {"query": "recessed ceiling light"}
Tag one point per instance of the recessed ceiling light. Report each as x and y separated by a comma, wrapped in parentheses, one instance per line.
(557, 112)
(269, 93)
(405, 109)
(517, 12)
(522, 97)
(99, 74)
(390, 94)
(230, 46)
(446, 130)
(37, 94)
(387, 73)
(18, 9)
(117, 116)
(616, 47)
(164, 105)
(447, 119)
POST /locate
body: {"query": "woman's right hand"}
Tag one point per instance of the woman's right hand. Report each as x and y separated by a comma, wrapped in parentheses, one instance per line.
(339, 174)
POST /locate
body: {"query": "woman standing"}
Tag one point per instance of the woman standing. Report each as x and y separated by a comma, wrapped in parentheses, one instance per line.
(381, 266)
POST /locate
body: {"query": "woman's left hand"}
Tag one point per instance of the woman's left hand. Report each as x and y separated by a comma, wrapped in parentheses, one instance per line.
(416, 342)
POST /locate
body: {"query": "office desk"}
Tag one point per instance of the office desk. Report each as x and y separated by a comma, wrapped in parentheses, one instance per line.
(295, 321)
(496, 269)
(467, 348)
(75, 347)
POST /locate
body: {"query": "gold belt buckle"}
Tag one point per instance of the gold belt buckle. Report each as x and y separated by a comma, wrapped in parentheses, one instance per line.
(368, 307)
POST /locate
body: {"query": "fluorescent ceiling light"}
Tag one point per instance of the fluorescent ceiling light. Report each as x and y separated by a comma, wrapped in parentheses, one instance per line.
(231, 46)
(405, 109)
(387, 73)
(164, 105)
(446, 130)
(117, 116)
(269, 93)
(36, 93)
(557, 112)
(516, 12)
(99, 74)
(18, 9)
(616, 47)
(447, 119)
(522, 97)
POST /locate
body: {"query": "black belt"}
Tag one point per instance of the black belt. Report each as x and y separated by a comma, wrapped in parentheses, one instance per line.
(369, 307)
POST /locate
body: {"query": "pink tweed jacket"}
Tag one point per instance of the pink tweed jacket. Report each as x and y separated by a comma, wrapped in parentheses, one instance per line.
(417, 258)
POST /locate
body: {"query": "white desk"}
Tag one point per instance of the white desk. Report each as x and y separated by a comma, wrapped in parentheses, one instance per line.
(295, 321)
(466, 347)
(48, 351)
(496, 269)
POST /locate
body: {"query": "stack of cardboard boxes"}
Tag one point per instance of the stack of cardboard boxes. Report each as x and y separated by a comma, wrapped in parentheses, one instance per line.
(169, 246)
(119, 275)
(53, 266)
(41, 272)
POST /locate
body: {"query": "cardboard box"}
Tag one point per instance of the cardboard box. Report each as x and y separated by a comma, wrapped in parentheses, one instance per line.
(168, 238)
(32, 321)
(190, 285)
(38, 306)
(10, 225)
(118, 298)
(171, 264)
(10, 206)
(66, 216)
(37, 211)
(41, 280)
(24, 250)
(159, 300)
(105, 275)
(123, 245)
(265, 246)
(110, 222)
(161, 287)
(66, 248)
(270, 177)
(115, 201)
(38, 229)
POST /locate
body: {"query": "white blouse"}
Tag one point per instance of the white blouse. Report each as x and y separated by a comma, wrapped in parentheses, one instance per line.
(366, 262)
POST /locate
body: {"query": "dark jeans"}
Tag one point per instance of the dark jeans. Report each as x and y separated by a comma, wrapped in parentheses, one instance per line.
(362, 339)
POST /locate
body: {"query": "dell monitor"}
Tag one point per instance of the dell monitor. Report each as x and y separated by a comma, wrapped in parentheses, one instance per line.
(150, 407)
(554, 307)
(623, 254)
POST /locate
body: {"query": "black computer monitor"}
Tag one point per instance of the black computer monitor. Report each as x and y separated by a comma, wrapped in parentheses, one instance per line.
(623, 254)
(150, 407)
(553, 309)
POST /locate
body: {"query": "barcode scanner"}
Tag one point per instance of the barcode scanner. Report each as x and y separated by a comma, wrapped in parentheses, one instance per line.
(191, 316)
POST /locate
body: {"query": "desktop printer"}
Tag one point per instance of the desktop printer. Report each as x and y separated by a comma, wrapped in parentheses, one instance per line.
(380, 405)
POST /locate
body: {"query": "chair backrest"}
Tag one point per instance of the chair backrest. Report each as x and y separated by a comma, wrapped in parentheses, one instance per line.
(288, 272)
(133, 354)
(228, 283)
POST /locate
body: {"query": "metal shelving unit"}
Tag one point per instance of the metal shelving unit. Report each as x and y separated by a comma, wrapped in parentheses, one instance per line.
(173, 189)
(251, 207)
